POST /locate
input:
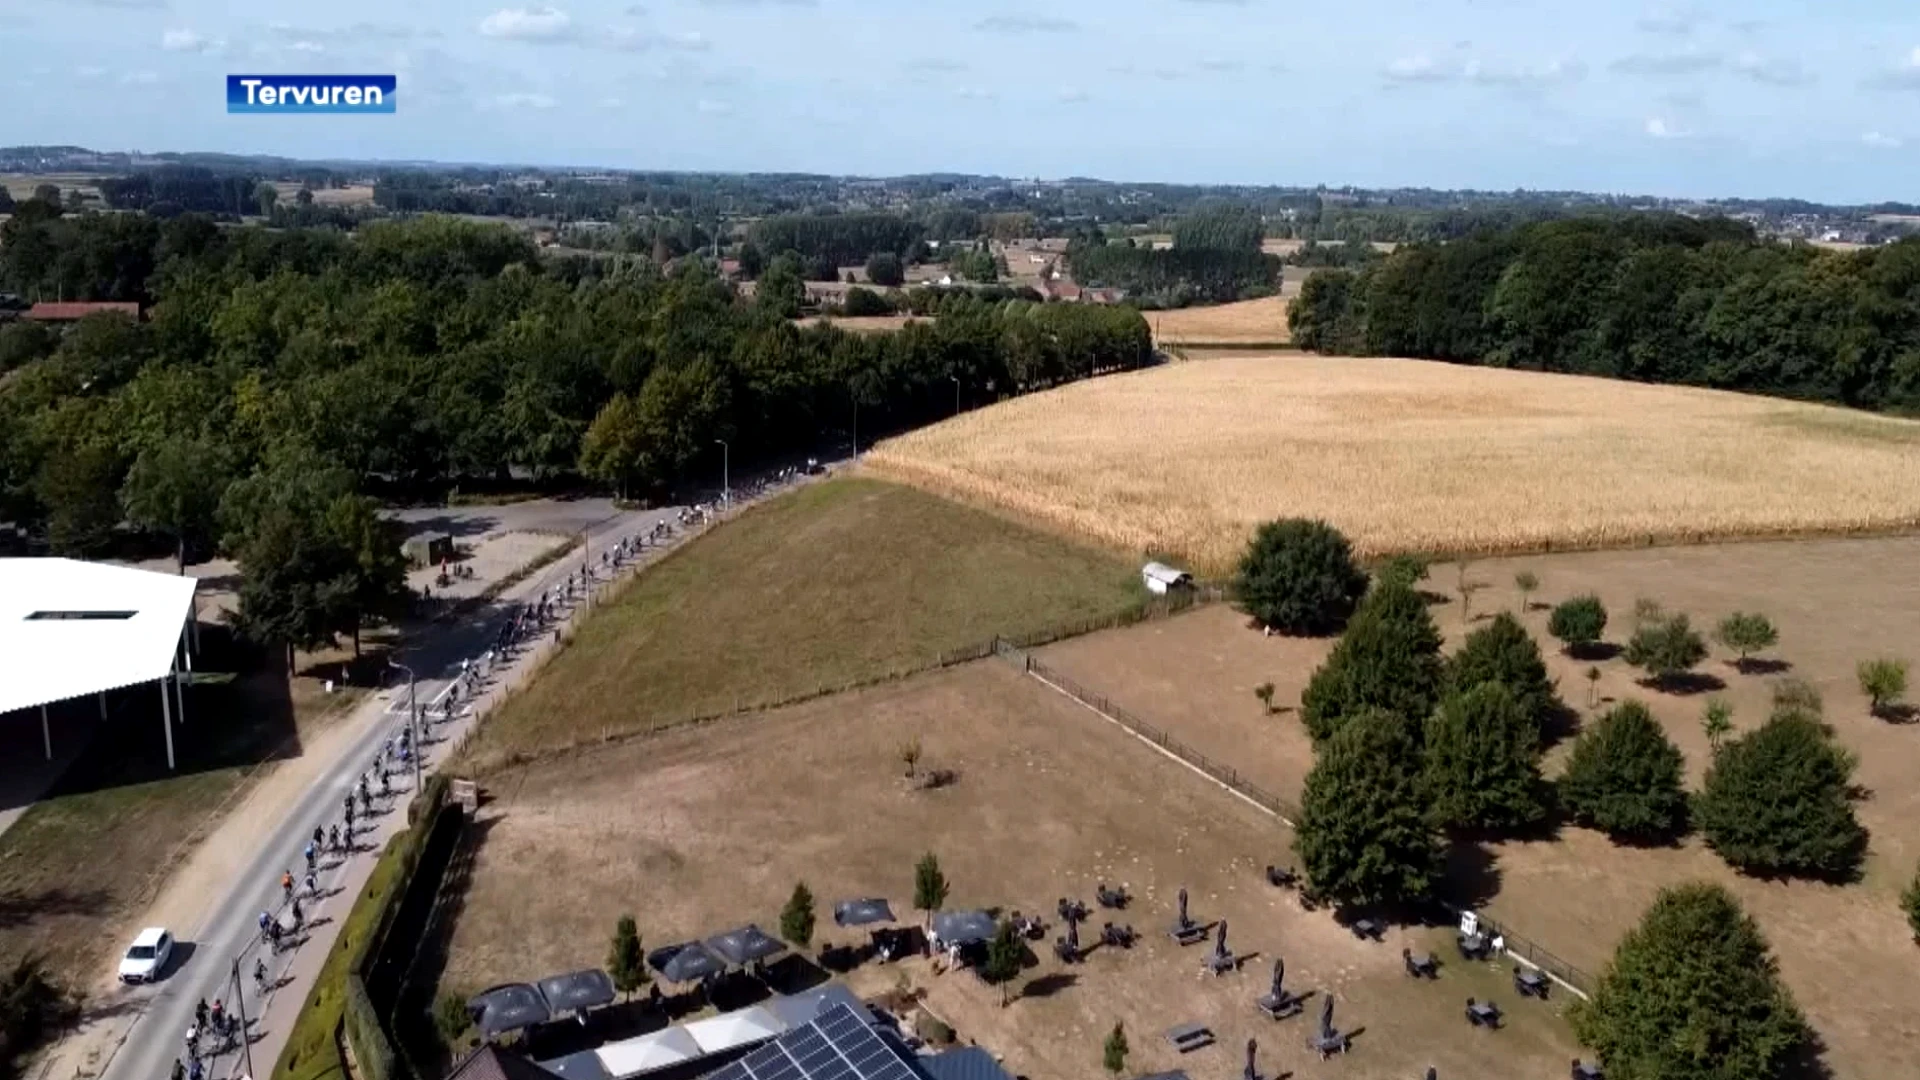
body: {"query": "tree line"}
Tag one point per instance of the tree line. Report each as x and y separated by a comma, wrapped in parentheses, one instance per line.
(1654, 298)
(1177, 276)
(414, 355)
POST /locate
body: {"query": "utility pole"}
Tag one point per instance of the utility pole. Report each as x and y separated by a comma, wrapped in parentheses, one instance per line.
(240, 1003)
(956, 394)
(726, 477)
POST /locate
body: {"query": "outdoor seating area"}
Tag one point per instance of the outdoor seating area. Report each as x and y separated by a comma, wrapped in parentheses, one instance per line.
(1483, 1014)
(1222, 959)
(1068, 948)
(1328, 1040)
(1113, 899)
(1282, 877)
(1071, 911)
(1368, 929)
(1120, 937)
(1421, 965)
(1028, 926)
(1187, 1038)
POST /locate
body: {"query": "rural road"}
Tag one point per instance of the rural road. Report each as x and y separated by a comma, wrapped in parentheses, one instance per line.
(161, 1014)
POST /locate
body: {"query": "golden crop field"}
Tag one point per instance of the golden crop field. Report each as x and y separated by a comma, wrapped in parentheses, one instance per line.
(1410, 455)
(1247, 322)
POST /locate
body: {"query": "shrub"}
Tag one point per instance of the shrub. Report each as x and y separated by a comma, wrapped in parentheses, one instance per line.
(1298, 577)
(1665, 647)
(1407, 570)
(1884, 681)
(1365, 834)
(626, 962)
(1717, 721)
(1113, 1054)
(1389, 659)
(1692, 993)
(1794, 694)
(1746, 633)
(796, 919)
(1526, 581)
(1623, 777)
(1778, 801)
(884, 269)
(451, 1018)
(1004, 956)
(933, 1029)
(1502, 651)
(32, 1006)
(1265, 693)
(1578, 623)
(865, 302)
(1910, 903)
(1482, 760)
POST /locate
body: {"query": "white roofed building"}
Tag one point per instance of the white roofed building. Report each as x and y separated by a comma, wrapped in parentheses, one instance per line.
(72, 629)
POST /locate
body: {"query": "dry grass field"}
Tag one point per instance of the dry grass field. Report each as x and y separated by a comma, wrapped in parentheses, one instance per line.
(829, 584)
(1413, 455)
(1246, 323)
(1845, 951)
(700, 829)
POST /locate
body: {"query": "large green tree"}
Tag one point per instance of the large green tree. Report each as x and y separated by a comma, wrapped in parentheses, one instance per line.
(175, 487)
(1298, 576)
(1693, 993)
(1779, 801)
(1624, 777)
(1666, 647)
(1388, 658)
(1365, 833)
(1502, 651)
(1482, 760)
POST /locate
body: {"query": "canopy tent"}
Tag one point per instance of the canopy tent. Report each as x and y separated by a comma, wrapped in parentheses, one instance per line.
(861, 912)
(71, 629)
(730, 1031)
(508, 1008)
(684, 963)
(649, 1053)
(744, 945)
(577, 991)
(962, 927)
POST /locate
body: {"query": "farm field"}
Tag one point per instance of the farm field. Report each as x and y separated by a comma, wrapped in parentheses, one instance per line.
(1845, 951)
(1245, 323)
(838, 581)
(699, 829)
(1185, 459)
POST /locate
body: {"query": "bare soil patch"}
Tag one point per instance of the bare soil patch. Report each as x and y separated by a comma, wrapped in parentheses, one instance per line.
(1845, 950)
(698, 829)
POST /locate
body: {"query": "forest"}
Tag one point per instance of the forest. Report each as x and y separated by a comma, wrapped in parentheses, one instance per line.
(1654, 298)
(412, 356)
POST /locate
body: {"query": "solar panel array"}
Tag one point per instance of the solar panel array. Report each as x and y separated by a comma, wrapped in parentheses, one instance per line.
(838, 1045)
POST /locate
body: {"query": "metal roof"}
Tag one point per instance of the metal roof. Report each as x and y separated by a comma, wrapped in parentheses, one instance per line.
(70, 628)
(963, 1063)
(649, 1053)
(839, 1045)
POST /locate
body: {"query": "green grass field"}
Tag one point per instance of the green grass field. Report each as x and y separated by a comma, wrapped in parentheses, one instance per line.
(837, 582)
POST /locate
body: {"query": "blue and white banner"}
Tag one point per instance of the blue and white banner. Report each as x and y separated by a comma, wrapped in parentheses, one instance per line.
(310, 93)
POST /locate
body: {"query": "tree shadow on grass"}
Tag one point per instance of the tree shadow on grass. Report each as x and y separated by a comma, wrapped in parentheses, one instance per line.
(1685, 683)
(1046, 986)
(1809, 1062)
(1897, 714)
(19, 908)
(1597, 652)
(1561, 722)
(1472, 874)
(1756, 665)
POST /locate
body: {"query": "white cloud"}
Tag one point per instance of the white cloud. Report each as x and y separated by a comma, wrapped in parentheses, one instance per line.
(306, 46)
(713, 108)
(1905, 76)
(610, 103)
(189, 41)
(623, 39)
(973, 93)
(1219, 65)
(524, 100)
(1072, 96)
(1771, 70)
(1426, 68)
(1025, 24)
(1659, 128)
(90, 71)
(139, 78)
(1420, 68)
(1881, 142)
(1685, 62)
(528, 24)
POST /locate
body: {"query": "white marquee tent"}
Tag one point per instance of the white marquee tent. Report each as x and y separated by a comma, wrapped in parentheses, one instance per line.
(70, 629)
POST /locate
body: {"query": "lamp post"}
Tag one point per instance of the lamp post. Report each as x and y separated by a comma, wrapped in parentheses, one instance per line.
(726, 482)
(956, 394)
(413, 730)
(239, 994)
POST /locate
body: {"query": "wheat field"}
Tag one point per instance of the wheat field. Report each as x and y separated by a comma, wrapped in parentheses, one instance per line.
(1408, 455)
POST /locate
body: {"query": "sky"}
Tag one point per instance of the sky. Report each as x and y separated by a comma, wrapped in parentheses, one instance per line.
(1757, 98)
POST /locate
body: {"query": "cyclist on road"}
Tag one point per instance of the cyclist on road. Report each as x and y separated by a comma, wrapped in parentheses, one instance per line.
(286, 882)
(333, 838)
(179, 1070)
(200, 1014)
(260, 975)
(312, 854)
(219, 1015)
(298, 918)
(264, 920)
(313, 886)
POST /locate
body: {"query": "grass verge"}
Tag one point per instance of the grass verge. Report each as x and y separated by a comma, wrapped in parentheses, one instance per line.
(836, 583)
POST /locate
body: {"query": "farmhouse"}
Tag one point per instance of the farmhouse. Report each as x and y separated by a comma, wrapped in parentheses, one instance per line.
(1162, 579)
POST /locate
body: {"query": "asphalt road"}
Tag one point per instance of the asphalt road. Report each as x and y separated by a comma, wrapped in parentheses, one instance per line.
(204, 968)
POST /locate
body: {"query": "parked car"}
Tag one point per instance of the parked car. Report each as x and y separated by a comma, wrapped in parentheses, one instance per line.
(147, 957)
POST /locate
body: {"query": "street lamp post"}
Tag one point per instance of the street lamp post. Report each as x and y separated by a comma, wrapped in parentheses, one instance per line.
(956, 394)
(239, 994)
(726, 481)
(413, 729)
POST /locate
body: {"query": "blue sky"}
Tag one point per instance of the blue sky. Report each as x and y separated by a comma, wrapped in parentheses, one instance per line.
(1754, 98)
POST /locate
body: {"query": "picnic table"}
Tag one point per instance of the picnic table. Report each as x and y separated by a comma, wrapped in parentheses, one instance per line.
(1530, 982)
(1368, 929)
(1421, 965)
(1186, 1038)
(1474, 946)
(1484, 1014)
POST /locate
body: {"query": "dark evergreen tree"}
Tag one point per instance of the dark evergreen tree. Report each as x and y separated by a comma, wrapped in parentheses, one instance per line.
(1502, 651)
(626, 964)
(1692, 993)
(796, 919)
(1482, 760)
(1777, 801)
(929, 884)
(1366, 834)
(1298, 577)
(1910, 903)
(1624, 778)
(1389, 658)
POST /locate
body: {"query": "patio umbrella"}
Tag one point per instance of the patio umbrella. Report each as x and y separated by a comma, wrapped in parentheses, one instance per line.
(862, 912)
(685, 963)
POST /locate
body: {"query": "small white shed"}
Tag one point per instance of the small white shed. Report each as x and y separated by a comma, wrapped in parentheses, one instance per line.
(1162, 579)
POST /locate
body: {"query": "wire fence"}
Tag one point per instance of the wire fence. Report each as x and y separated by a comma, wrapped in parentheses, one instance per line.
(1518, 945)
